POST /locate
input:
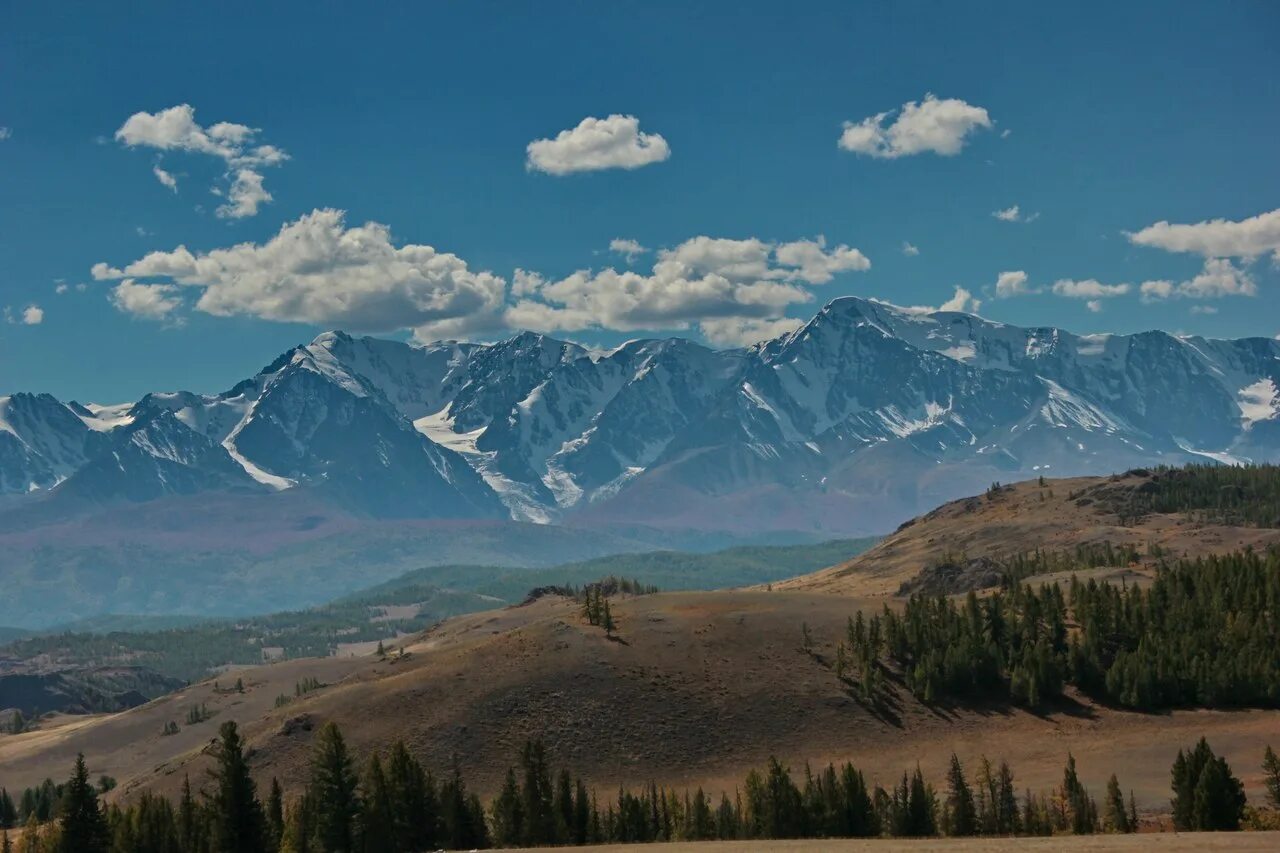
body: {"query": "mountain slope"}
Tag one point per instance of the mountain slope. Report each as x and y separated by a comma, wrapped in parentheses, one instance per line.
(865, 416)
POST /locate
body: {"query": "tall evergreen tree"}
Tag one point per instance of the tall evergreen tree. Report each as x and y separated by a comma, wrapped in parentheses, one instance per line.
(1114, 816)
(237, 822)
(962, 819)
(1206, 795)
(333, 792)
(83, 825)
(413, 794)
(1270, 776)
(377, 817)
(275, 815)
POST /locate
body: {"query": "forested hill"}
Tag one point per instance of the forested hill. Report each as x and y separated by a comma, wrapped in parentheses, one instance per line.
(1052, 525)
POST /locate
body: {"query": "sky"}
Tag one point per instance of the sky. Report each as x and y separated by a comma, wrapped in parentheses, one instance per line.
(186, 190)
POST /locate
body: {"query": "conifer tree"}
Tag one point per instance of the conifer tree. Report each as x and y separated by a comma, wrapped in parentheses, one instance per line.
(1270, 776)
(190, 826)
(83, 826)
(275, 815)
(1114, 816)
(1206, 795)
(413, 796)
(962, 816)
(377, 823)
(508, 813)
(607, 620)
(238, 823)
(333, 792)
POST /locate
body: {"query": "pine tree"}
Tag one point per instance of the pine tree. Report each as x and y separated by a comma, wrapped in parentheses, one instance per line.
(1206, 795)
(508, 813)
(962, 816)
(1114, 817)
(1270, 775)
(190, 827)
(333, 791)
(377, 822)
(84, 827)
(413, 794)
(607, 620)
(275, 815)
(238, 823)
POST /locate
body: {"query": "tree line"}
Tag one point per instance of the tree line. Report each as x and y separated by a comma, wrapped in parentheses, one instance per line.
(394, 805)
(1203, 634)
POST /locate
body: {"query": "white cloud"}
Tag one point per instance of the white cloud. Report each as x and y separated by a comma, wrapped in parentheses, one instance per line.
(1088, 289)
(741, 332)
(5, 133)
(244, 196)
(940, 126)
(629, 249)
(176, 129)
(1153, 290)
(1094, 305)
(706, 281)
(1012, 283)
(1218, 278)
(1216, 238)
(1203, 309)
(316, 270)
(149, 301)
(60, 288)
(165, 178)
(1014, 214)
(32, 315)
(909, 250)
(962, 301)
(615, 142)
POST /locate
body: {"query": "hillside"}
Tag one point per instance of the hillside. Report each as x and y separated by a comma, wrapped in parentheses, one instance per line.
(1068, 518)
(697, 687)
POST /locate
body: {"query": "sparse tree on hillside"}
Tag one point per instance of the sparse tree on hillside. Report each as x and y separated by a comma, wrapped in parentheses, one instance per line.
(1206, 795)
(1114, 816)
(961, 814)
(82, 824)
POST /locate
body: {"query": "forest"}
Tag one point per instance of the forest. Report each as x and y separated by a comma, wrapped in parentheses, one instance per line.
(391, 804)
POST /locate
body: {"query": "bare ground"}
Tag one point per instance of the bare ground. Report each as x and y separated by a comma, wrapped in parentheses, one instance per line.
(696, 689)
(1241, 841)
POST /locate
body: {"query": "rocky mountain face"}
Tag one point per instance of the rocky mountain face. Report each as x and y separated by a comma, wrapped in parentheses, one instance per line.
(866, 415)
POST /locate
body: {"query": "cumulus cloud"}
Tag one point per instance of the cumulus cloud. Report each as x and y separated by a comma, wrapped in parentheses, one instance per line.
(1012, 283)
(716, 283)
(1218, 278)
(629, 249)
(61, 288)
(615, 142)
(32, 315)
(5, 133)
(1094, 305)
(244, 196)
(317, 270)
(962, 301)
(148, 301)
(1216, 238)
(743, 331)
(1014, 214)
(165, 178)
(909, 250)
(176, 129)
(931, 125)
(1088, 289)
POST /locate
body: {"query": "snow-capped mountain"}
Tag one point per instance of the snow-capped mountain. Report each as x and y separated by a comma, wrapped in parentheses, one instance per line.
(867, 414)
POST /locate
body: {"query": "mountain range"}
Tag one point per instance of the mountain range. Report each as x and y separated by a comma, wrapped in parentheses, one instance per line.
(864, 416)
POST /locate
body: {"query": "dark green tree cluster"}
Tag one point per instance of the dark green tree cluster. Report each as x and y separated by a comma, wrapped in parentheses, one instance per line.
(1206, 794)
(1204, 634)
(1245, 495)
(1010, 644)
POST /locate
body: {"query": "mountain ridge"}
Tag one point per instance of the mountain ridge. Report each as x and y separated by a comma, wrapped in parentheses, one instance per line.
(867, 414)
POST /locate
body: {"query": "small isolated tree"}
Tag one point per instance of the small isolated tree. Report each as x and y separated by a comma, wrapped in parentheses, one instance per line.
(607, 619)
(381, 652)
(806, 637)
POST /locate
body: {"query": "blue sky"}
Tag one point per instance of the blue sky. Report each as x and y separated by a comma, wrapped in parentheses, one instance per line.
(719, 122)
